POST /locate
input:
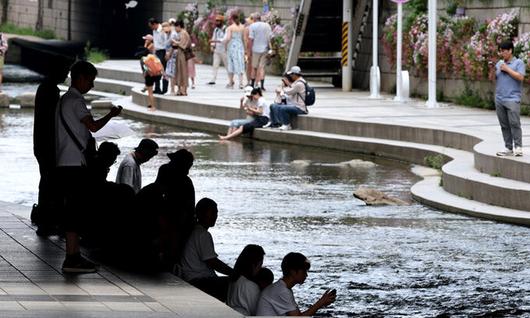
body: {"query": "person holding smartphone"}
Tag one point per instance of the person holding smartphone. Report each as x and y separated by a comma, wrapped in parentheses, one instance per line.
(278, 298)
(509, 75)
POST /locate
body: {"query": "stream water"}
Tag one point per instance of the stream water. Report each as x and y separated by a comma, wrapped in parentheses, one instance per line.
(383, 261)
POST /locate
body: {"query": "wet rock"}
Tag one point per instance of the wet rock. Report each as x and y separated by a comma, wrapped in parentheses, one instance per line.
(301, 163)
(4, 100)
(376, 197)
(26, 99)
(358, 163)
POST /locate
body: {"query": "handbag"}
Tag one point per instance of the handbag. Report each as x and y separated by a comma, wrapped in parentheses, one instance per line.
(188, 53)
(89, 151)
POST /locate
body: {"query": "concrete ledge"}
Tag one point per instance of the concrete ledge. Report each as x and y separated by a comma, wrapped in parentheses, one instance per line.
(120, 75)
(445, 138)
(515, 168)
(462, 179)
(430, 193)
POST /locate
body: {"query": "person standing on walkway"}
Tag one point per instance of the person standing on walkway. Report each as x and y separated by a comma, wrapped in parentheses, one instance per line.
(218, 47)
(510, 72)
(44, 214)
(73, 126)
(129, 172)
(236, 51)
(248, 53)
(3, 50)
(159, 40)
(259, 36)
(183, 45)
(171, 57)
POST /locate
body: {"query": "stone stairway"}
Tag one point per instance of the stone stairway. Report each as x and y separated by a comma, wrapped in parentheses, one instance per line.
(473, 180)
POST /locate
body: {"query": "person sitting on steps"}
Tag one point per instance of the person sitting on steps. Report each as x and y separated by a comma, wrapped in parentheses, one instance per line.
(199, 261)
(294, 103)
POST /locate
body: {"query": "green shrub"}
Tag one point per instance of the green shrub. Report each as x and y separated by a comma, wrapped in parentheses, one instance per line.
(470, 98)
(13, 29)
(95, 55)
(434, 161)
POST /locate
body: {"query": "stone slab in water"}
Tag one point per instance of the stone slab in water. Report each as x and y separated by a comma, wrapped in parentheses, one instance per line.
(4, 100)
(26, 99)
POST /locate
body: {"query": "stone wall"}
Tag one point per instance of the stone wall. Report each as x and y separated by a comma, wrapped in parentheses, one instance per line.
(172, 7)
(87, 16)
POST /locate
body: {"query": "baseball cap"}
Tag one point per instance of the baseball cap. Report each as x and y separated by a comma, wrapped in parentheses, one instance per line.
(248, 90)
(295, 70)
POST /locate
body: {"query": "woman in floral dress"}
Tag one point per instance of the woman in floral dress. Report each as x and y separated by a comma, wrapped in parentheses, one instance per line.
(235, 51)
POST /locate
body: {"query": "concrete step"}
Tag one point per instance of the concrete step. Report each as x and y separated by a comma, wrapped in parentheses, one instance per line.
(186, 105)
(115, 86)
(461, 178)
(429, 192)
(169, 118)
(112, 73)
(216, 108)
(516, 168)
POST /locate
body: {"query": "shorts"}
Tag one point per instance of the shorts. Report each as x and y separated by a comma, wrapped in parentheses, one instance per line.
(259, 59)
(256, 123)
(2, 59)
(151, 80)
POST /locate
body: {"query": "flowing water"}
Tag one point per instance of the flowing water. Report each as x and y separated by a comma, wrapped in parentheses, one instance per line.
(383, 261)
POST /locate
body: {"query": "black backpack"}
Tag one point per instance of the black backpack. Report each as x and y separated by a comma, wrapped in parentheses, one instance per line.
(310, 96)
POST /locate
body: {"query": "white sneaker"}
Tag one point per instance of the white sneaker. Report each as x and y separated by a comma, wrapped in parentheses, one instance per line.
(285, 127)
(505, 152)
(518, 152)
(267, 125)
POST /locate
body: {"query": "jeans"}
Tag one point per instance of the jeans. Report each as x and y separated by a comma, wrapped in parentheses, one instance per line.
(508, 113)
(281, 113)
(236, 123)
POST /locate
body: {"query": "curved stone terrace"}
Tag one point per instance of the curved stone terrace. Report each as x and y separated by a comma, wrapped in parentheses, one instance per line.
(474, 181)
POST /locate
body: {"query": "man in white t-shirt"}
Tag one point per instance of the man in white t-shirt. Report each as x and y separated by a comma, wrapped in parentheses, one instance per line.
(258, 44)
(199, 261)
(73, 125)
(129, 172)
(278, 298)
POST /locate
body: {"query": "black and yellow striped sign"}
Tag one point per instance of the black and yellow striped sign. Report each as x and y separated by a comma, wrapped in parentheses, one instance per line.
(345, 27)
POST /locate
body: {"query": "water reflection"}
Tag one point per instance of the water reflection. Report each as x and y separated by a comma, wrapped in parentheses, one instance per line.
(383, 261)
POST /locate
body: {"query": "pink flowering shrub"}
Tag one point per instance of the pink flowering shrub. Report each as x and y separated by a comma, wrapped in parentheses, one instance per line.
(522, 51)
(481, 54)
(465, 49)
(389, 38)
(415, 48)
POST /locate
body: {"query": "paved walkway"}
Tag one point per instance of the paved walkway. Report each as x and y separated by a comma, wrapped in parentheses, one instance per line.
(32, 284)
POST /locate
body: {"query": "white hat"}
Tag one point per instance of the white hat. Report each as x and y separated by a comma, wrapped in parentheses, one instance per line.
(248, 90)
(295, 70)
